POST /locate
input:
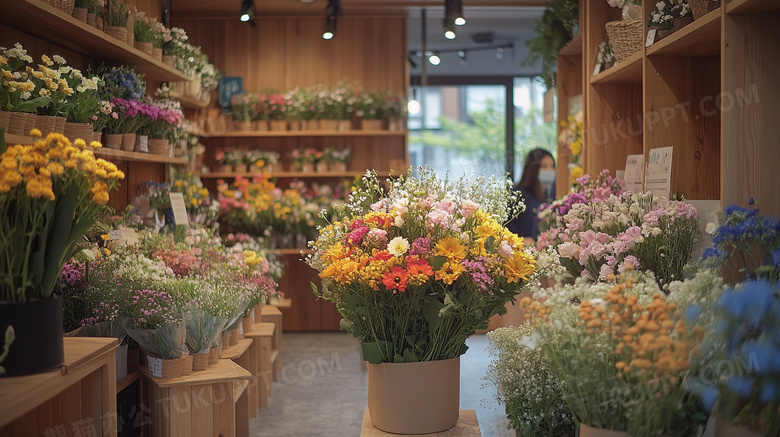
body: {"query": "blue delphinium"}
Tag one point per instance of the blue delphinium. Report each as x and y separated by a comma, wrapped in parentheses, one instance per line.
(121, 82)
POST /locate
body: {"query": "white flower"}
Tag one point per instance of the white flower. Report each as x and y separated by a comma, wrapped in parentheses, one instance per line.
(399, 221)
(711, 228)
(398, 246)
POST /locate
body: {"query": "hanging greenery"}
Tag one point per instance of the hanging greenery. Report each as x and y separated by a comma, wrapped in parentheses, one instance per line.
(553, 31)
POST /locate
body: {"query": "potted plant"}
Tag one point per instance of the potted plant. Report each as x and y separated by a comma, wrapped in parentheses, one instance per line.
(682, 14)
(81, 8)
(339, 159)
(19, 98)
(144, 33)
(81, 106)
(662, 20)
(296, 159)
(223, 160)
(369, 110)
(309, 157)
(393, 111)
(116, 19)
(414, 275)
(47, 213)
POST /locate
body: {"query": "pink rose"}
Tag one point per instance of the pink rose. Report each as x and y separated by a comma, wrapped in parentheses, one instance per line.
(468, 208)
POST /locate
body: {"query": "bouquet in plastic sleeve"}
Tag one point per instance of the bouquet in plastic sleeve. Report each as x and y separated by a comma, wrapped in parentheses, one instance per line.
(155, 322)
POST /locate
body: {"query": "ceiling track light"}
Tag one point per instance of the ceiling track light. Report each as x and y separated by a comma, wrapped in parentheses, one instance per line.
(449, 28)
(247, 10)
(462, 56)
(414, 105)
(460, 19)
(332, 13)
(434, 59)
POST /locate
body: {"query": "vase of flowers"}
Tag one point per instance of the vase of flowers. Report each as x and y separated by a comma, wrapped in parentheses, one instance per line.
(369, 110)
(116, 19)
(70, 196)
(309, 157)
(439, 264)
(393, 111)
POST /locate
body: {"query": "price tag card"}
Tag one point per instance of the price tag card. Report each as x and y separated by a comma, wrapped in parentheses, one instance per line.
(597, 69)
(155, 366)
(179, 209)
(116, 235)
(650, 37)
(633, 176)
(658, 179)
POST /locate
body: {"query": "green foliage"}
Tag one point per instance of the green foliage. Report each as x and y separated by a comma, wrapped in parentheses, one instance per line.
(9, 338)
(553, 31)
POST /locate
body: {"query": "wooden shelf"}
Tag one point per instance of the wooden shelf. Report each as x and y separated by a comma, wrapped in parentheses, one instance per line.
(38, 18)
(238, 388)
(700, 38)
(305, 133)
(573, 48)
(629, 71)
(292, 251)
(129, 379)
(284, 302)
(189, 102)
(235, 351)
(110, 154)
(290, 174)
(752, 6)
(223, 371)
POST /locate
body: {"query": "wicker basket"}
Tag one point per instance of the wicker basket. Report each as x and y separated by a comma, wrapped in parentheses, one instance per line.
(625, 36)
(699, 8)
(63, 5)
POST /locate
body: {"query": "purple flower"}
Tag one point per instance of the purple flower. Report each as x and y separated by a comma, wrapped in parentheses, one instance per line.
(421, 247)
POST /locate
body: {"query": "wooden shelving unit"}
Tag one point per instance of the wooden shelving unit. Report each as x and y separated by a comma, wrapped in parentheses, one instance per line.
(109, 154)
(38, 18)
(708, 90)
(629, 71)
(129, 379)
(306, 133)
(569, 87)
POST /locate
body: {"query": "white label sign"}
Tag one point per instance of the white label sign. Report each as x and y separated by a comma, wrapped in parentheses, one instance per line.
(128, 235)
(116, 235)
(658, 179)
(179, 209)
(633, 176)
(650, 37)
(597, 69)
(155, 366)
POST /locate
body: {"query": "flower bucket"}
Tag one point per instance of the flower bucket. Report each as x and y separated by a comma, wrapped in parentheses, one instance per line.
(80, 14)
(344, 125)
(157, 54)
(322, 167)
(97, 136)
(414, 398)
(16, 123)
(234, 337)
(395, 124)
(90, 19)
(226, 168)
(170, 368)
(99, 23)
(312, 125)
(698, 8)
(200, 362)
(192, 87)
(725, 429)
(225, 340)
(45, 123)
(169, 60)
(145, 47)
(117, 32)
(295, 125)
(4, 117)
(214, 355)
(141, 143)
(59, 126)
(65, 6)
(260, 126)
(371, 125)
(338, 166)
(663, 33)
(37, 346)
(681, 22)
(120, 361)
(307, 167)
(329, 125)
(588, 431)
(30, 121)
(113, 141)
(128, 142)
(157, 146)
(278, 125)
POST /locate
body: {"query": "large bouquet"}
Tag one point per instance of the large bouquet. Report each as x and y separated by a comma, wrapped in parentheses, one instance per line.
(51, 193)
(586, 189)
(416, 270)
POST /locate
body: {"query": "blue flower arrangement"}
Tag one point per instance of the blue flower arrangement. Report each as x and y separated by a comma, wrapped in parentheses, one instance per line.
(748, 244)
(121, 82)
(739, 378)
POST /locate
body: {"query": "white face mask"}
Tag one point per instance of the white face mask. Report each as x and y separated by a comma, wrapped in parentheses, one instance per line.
(547, 176)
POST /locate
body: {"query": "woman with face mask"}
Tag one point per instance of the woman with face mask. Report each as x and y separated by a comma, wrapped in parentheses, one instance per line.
(537, 185)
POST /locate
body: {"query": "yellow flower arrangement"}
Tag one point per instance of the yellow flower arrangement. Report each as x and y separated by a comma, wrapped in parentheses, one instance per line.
(50, 195)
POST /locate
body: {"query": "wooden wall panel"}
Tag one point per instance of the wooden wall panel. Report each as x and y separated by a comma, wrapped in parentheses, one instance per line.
(751, 132)
(569, 85)
(284, 53)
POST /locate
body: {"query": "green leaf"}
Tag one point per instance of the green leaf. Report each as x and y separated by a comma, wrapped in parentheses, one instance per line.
(372, 352)
(345, 325)
(410, 357)
(437, 262)
(398, 359)
(314, 289)
(490, 242)
(3, 145)
(431, 312)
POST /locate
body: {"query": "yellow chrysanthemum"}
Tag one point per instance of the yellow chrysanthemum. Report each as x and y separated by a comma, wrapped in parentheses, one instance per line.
(576, 173)
(449, 272)
(450, 248)
(520, 266)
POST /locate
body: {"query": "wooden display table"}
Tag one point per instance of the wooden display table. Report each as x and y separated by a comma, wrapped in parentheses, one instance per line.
(203, 403)
(271, 314)
(245, 355)
(467, 426)
(262, 336)
(284, 302)
(78, 398)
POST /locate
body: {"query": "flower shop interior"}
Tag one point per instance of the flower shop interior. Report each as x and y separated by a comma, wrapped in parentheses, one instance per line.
(377, 217)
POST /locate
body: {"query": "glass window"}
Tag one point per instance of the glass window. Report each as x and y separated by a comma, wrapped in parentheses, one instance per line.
(530, 129)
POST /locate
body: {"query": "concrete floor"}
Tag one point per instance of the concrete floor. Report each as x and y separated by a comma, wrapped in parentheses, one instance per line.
(323, 389)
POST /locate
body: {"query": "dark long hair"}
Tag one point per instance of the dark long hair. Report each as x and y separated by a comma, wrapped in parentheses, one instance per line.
(530, 178)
